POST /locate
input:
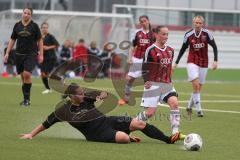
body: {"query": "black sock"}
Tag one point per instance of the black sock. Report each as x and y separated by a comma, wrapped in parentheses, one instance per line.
(26, 90)
(45, 82)
(153, 132)
(23, 90)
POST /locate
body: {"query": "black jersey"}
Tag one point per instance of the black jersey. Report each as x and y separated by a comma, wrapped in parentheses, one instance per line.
(65, 53)
(49, 40)
(85, 117)
(27, 37)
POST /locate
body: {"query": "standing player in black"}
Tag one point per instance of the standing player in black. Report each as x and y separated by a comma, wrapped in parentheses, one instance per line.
(49, 47)
(29, 43)
(81, 113)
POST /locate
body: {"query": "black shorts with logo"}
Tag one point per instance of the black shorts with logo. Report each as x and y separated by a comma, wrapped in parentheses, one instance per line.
(48, 65)
(25, 62)
(110, 127)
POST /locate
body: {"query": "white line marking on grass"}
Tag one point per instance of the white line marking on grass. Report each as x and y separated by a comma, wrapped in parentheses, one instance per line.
(208, 110)
(207, 101)
(214, 101)
(19, 83)
(212, 95)
(112, 89)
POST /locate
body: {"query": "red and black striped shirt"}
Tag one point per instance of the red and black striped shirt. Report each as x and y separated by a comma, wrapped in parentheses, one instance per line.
(198, 51)
(142, 41)
(158, 64)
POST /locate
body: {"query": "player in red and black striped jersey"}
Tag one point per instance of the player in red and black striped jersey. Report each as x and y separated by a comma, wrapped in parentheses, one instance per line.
(141, 40)
(197, 39)
(159, 64)
(157, 73)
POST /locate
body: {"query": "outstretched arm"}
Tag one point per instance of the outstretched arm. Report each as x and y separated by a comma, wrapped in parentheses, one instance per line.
(33, 133)
(52, 119)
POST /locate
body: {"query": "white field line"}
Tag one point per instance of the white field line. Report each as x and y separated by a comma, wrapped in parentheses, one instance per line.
(207, 101)
(18, 83)
(112, 89)
(208, 110)
(212, 95)
(214, 101)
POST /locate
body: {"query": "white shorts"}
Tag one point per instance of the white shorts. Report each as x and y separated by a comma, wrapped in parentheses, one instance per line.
(194, 71)
(135, 69)
(156, 93)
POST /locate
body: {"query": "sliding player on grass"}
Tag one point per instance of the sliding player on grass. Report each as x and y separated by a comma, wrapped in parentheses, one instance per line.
(80, 112)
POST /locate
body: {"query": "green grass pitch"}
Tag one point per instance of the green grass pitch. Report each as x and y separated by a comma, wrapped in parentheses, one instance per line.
(219, 128)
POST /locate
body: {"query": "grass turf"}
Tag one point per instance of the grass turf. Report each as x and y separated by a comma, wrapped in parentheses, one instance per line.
(220, 131)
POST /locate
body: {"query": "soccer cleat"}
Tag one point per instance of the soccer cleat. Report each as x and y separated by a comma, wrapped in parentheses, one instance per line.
(122, 102)
(134, 139)
(25, 103)
(200, 114)
(47, 91)
(175, 137)
(189, 111)
(182, 136)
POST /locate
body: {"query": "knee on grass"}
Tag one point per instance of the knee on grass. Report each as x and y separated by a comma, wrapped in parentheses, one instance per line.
(122, 137)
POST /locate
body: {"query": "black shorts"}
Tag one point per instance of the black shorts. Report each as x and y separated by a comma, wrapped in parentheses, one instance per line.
(110, 127)
(48, 65)
(165, 99)
(25, 62)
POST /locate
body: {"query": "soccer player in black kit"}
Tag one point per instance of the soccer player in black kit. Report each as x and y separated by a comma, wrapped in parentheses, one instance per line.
(49, 56)
(80, 112)
(29, 42)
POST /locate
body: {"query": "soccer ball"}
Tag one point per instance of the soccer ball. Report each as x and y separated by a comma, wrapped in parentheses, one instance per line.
(193, 142)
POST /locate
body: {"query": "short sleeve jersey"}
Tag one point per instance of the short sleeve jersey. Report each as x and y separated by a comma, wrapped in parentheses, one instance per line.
(27, 37)
(159, 63)
(49, 40)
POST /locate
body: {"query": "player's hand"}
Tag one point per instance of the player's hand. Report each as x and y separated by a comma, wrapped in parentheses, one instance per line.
(5, 58)
(148, 84)
(26, 136)
(174, 66)
(102, 96)
(45, 48)
(130, 61)
(214, 65)
(40, 58)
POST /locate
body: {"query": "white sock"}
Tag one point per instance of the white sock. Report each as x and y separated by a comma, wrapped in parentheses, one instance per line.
(127, 90)
(142, 116)
(197, 101)
(14, 69)
(191, 102)
(5, 68)
(175, 120)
